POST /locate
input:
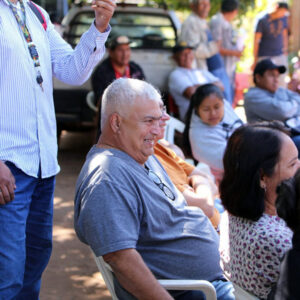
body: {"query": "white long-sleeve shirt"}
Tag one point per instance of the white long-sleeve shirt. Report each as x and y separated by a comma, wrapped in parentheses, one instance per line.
(27, 116)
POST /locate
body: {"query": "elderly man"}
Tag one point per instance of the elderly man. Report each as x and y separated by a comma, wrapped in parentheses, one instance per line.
(184, 79)
(195, 32)
(128, 210)
(117, 65)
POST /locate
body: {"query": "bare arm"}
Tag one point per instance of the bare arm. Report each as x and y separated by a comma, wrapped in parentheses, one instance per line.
(229, 52)
(104, 9)
(219, 84)
(257, 38)
(7, 184)
(200, 196)
(285, 41)
(134, 276)
(188, 92)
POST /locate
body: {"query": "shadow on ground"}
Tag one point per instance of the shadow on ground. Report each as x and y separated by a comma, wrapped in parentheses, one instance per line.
(72, 273)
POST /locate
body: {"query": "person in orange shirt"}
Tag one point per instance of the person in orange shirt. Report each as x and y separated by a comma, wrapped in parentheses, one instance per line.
(197, 187)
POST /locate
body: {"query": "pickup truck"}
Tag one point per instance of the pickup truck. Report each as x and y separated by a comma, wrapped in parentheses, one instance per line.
(153, 32)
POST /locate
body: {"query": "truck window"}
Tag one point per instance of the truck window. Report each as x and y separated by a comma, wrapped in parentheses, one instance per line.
(144, 30)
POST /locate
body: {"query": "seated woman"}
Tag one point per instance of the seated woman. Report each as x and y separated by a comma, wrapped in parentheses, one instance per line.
(288, 208)
(257, 159)
(210, 121)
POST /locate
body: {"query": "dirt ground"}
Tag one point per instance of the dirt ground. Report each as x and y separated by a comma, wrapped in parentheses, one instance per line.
(72, 273)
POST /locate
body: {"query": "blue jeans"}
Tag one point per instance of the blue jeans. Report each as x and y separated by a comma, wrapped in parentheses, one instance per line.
(25, 236)
(223, 77)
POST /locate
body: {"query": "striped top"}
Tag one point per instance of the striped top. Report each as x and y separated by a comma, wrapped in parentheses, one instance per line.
(27, 116)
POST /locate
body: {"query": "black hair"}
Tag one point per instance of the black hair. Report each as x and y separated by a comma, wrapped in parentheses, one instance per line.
(252, 150)
(198, 97)
(229, 5)
(282, 5)
(288, 201)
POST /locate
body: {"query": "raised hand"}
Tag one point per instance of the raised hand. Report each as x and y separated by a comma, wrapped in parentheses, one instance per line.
(104, 9)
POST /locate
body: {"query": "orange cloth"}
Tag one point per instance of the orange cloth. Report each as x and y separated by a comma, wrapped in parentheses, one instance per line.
(179, 171)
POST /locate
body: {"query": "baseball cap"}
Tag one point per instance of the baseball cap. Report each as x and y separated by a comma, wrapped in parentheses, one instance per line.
(118, 40)
(267, 64)
(181, 46)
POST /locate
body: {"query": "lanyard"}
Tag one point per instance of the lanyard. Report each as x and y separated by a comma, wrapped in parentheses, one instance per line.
(31, 46)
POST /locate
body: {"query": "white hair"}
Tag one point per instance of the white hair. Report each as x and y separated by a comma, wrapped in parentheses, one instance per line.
(121, 95)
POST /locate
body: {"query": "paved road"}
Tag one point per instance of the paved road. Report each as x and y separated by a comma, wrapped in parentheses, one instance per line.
(71, 273)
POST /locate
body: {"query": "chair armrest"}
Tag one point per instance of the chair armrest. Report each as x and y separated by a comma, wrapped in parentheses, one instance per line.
(181, 284)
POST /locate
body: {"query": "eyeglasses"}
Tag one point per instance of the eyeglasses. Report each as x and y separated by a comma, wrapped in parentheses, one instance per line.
(156, 179)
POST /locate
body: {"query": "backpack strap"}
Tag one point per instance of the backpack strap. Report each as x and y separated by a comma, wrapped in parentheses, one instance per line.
(38, 13)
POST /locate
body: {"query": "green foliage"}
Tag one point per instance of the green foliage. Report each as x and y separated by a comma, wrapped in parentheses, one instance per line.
(215, 5)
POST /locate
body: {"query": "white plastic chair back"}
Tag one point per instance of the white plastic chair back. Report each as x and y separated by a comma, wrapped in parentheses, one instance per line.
(90, 101)
(106, 273)
(173, 125)
(170, 284)
(241, 294)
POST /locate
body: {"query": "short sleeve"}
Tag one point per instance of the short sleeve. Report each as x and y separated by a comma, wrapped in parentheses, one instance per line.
(110, 219)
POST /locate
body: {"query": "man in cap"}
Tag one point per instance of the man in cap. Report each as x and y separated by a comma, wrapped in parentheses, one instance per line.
(268, 101)
(117, 65)
(185, 79)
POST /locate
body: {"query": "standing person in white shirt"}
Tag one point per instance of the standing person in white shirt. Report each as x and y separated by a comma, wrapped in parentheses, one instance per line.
(196, 33)
(30, 54)
(223, 32)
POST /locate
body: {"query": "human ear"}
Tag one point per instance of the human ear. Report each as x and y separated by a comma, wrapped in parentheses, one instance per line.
(115, 122)
(262, 182)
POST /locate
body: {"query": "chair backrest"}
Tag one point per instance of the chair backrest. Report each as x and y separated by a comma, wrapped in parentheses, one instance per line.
(173, 125)
(241, 294)
(106, 272)
(170, 284)
(90, 101)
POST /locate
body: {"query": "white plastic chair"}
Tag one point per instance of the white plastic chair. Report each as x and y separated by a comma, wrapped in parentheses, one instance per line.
(90, 101)
(241, 294)
(170, 284)
(173, 125)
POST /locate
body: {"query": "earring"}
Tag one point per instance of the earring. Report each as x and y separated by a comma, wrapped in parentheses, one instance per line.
(264, 187)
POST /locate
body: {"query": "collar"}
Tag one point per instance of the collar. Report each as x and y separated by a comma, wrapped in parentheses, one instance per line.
(6, 2)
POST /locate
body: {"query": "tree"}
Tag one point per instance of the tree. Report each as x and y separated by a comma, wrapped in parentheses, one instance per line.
(245, 5)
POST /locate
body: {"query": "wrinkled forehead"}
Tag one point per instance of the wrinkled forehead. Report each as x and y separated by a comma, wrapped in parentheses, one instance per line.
(146, 106)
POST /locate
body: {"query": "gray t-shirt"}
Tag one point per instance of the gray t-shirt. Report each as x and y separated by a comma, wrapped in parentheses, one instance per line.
(118, 206)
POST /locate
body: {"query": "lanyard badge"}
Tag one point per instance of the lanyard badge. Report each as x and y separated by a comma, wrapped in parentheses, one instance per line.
(31, 46)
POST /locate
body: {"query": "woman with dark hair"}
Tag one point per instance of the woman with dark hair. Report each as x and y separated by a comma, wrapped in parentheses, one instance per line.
(288, 208)
(257, 158)
(210, 121)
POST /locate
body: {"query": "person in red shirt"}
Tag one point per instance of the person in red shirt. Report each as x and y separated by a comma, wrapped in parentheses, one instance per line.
(117, 65)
